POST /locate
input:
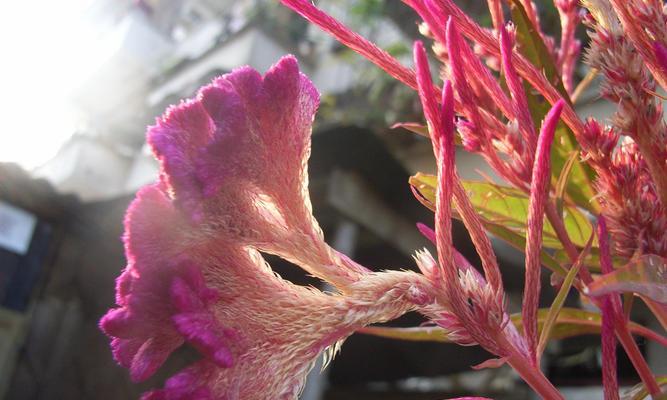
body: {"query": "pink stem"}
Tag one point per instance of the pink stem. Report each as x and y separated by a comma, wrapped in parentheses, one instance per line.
(534, 377)
(571, 250)
(611, 305)
(619, 321)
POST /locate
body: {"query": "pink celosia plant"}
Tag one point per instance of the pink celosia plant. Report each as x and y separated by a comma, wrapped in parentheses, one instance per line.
(233, 185)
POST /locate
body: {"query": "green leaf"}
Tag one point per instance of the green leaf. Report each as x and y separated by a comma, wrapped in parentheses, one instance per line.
(532, 47)
(645, 275)
(592, 260)
(575, 322)
(421, 130)
(519, 242)
(508, 207)
(559, 300)
(416, 334)
(414, 127)
(563, 179)
(570, 322)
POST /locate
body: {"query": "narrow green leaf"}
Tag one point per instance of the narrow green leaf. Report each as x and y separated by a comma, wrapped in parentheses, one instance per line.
(639, 392)
(416, 334)
(563, 179)
(559, 300)
(645, 275)
(533, 48)
(414, 127)
(575, 322)
(519, 242)
(570, 322)
(421, 130)
(592, 261)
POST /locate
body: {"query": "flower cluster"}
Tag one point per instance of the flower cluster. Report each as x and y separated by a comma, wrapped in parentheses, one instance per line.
(234, 185)
(628, 193)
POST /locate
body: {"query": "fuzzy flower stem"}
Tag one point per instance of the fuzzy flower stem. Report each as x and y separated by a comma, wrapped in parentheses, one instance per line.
(539, 196)
(429, 100)
(477, 234)
(354, 41)
(443, 221)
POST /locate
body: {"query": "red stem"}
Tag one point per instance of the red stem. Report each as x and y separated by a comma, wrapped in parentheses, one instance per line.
(631, 349)
(534, 377)
(571, 250)
(620, 325)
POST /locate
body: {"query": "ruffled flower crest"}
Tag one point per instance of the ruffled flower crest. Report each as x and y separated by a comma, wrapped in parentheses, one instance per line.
(252, 134)
(234, 183)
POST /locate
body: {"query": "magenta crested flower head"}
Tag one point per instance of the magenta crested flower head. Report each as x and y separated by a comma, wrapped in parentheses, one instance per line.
(234, 159)
(233, 183)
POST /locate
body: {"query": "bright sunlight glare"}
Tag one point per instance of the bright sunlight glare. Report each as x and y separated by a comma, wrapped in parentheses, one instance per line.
(48, 48)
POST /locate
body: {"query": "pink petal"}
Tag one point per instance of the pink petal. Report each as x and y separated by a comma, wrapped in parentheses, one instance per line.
(490, 363)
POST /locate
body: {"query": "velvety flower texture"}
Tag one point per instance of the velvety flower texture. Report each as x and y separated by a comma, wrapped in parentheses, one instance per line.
(233, 182)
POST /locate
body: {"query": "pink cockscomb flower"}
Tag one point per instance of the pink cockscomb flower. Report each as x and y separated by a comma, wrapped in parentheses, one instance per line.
(233, 183)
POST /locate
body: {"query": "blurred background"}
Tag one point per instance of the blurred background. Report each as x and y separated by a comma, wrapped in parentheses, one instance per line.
(82, 79)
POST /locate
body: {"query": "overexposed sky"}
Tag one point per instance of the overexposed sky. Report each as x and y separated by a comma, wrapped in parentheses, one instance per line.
(47, 49)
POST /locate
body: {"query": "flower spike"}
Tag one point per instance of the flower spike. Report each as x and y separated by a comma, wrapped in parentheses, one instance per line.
(353, 40)
(539, 196)
(443, 215)
(518, 93)
(424, 85)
